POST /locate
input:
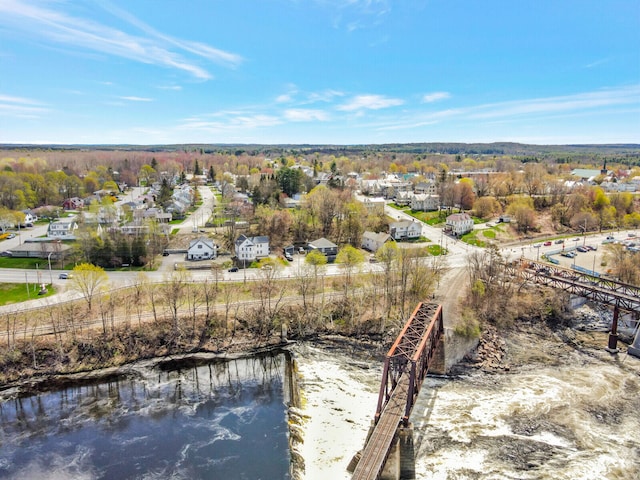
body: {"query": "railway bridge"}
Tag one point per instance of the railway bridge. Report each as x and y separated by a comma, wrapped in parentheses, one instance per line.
(588, 284)
(418, 349)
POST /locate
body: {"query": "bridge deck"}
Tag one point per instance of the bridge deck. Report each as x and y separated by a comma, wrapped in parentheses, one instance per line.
(379, 443)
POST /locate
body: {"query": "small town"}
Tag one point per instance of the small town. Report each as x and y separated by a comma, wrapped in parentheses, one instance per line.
(331, 239)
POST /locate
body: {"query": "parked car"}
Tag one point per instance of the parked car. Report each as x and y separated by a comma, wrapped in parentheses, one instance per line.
(6, 253)
(13, 235)
(582, 249)
(165, 253)
(630, 234)
(547, 244)
(65, 276)
(288, 257)
(233, 269)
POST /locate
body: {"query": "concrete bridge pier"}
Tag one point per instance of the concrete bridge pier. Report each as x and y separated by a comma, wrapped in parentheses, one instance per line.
(401, 462)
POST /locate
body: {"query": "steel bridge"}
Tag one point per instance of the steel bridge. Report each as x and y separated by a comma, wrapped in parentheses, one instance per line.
(621, 296)
(405, 367)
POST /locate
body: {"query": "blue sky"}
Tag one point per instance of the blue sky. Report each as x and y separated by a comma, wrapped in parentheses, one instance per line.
(319, 71)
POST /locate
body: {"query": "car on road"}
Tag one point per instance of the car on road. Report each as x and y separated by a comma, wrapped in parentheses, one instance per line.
(233, 269)
(630, 235)
(65, 276)
(165, 253)
(6, 253)
(558, 242)
(13, 235)
(547, 244)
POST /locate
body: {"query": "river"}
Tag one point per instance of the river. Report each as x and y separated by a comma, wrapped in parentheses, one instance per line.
(224, 420)
(557, 412)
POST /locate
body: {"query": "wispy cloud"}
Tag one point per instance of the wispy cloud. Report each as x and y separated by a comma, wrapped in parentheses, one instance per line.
(44, 23)
(136, 99)
(324, 96)
(587, 103)
(435, 96)
(356, 14)
(559, 104)
(170, 87)
(305, 115)
(597, 63)
(369, 102)
(21, 107)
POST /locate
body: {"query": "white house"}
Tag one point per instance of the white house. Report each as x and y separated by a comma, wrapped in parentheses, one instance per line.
(374, 205)
(405, 230)
(424, 202)
(202, 249)
(248, 249)
(64, 228)
(459, 223)
(373, 241)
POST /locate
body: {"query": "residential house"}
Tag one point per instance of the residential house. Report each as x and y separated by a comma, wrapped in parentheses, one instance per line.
(424, 202)
(428, 187)
(202, 249)
(249, 249)
(324, 246)
(374, 205)
(63, 228)
(29, 217)
(373, 241)
(459, 224)
(405, 230)
(73, 203)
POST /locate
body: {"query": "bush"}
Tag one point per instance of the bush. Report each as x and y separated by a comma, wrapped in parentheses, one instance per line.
(468, 326)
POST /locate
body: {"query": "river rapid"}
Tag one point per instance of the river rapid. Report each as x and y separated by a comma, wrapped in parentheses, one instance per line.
(553, 410)
(557, 412)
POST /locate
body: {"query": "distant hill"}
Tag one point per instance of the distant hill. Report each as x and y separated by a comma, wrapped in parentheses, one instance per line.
(496, 148)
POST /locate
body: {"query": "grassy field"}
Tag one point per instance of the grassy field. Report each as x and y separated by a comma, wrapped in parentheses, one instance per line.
(17, 292)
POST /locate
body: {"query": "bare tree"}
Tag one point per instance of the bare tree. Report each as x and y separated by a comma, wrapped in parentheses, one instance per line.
(173, 291)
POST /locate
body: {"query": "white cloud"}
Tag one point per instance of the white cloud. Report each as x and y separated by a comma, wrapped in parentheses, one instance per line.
(20, 107)
(370, 102)
(170, 87)
(136, 99)
(324, 96)
(86, 34)
(284, 98)
(305, 115)
(435, 96)
(566, 103)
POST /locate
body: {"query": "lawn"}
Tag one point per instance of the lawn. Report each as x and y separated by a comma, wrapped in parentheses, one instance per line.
(472, 239)
(27, 263)
(17, 292)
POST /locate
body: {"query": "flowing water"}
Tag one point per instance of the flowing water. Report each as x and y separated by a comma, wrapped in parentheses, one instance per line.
(223, 420)
(558, 413)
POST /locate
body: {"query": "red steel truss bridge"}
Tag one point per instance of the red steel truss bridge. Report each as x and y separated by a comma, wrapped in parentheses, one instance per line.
(596, 288)
(405, 367)
(620, 296)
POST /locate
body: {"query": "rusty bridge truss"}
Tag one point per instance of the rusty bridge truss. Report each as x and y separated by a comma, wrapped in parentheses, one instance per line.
(411, 355)
(405, 367)
(596, 288)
